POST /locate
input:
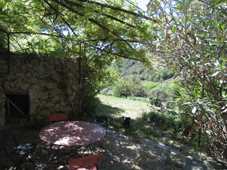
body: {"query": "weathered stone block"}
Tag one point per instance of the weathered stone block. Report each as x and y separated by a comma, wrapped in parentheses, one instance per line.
(58, 77)
(33, 80)
(6, 85)
(25, 86)
(71, 75)
(20, 75)
(28, 74)
(51, 86)
(34, 88)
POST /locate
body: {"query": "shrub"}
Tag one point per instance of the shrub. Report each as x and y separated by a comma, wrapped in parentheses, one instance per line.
(122, 88)
(168, 119)
(174, 87)
(139, 91)
(127, 87)
(158, 93)
(149, 85)
(170, 105)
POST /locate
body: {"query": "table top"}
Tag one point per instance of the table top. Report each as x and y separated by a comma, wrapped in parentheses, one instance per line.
(72, 133)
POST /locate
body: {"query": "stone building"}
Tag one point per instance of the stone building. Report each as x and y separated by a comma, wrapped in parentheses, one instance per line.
(33, 87)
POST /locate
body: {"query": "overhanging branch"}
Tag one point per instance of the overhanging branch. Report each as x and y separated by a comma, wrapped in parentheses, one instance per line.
(114, 8)
(36, 33)
(91, 20)
(62, 18)
(116, 54)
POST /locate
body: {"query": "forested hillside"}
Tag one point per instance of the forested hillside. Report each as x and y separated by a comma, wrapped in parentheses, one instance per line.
(138, 71)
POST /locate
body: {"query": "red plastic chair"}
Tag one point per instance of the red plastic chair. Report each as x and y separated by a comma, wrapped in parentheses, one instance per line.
(85, 163)
(58, 117)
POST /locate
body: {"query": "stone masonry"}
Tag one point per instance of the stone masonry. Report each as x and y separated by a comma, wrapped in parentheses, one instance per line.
(53, 85)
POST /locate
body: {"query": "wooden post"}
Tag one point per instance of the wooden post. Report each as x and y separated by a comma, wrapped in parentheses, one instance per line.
(8, 114)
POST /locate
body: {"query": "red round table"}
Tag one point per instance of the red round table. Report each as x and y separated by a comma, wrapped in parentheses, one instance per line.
(72, 133)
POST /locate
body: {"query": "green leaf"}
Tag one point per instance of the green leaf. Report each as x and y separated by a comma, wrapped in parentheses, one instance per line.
(192, 20)
(223, 63)
(222, 40)
(221, 4)
(196, 93)
(174, 29)
(223, 27)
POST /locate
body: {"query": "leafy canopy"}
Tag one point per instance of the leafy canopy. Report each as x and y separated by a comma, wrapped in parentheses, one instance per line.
(58, 28)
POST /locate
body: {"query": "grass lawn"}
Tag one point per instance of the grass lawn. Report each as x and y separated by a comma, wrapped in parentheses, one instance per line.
(117, 107)
(114, 108)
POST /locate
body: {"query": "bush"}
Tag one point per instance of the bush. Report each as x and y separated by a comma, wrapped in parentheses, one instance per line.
(170, 105)
(122, 88)
(158, 93)
(174, 87)
(139, 91)
(127, 87)
(168, 120)
(149, 85)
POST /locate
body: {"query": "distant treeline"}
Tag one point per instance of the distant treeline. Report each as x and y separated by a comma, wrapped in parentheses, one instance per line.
(136, 70)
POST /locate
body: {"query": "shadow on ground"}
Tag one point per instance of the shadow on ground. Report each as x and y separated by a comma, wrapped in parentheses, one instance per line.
(122, 153)
(108, 110)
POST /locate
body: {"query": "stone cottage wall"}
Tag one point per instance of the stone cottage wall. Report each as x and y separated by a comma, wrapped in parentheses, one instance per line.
(45, 81)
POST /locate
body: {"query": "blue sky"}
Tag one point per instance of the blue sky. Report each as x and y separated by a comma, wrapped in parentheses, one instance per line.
(143, 4)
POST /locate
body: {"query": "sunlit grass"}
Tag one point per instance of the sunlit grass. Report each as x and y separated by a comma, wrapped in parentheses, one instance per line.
(140, 128)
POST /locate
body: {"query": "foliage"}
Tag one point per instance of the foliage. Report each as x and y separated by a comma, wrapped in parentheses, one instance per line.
(167, 120)
(149, 85)
(128, 87)
(3, 42)
(109, 79)
(123, 88)
(158, 93)
(164, 91)
(112, 29)
(136, 70)
(192, 39)
(174, 87)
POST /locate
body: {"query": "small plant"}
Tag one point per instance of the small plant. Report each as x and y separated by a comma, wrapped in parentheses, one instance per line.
(170, 105)
(165, 120)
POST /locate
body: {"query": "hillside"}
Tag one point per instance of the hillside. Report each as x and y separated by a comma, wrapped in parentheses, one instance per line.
(136, 70)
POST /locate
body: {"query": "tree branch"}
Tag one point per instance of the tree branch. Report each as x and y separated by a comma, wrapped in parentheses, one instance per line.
(61, 18)
(115, 8)
(36, 33)
(108, 52)
(92, 20)
(214, 7)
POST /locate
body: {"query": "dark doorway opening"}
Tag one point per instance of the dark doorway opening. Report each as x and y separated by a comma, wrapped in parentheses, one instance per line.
(17, 108)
